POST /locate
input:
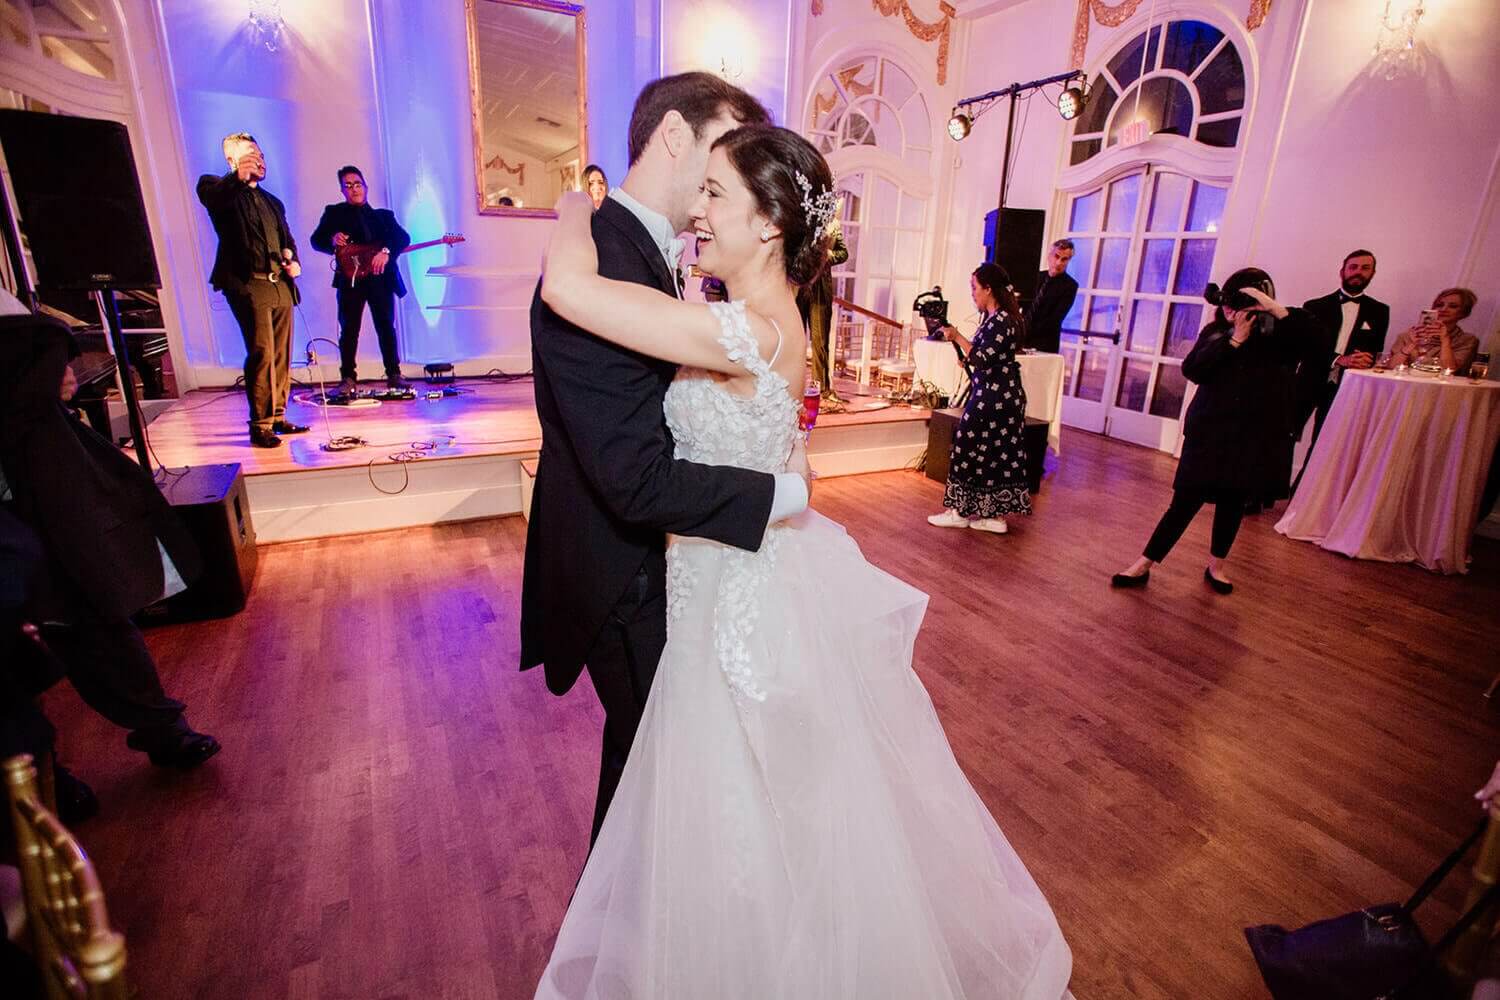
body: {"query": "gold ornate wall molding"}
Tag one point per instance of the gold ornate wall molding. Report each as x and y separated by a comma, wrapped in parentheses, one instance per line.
(1112, 16)
(518, 171)
(940, 30)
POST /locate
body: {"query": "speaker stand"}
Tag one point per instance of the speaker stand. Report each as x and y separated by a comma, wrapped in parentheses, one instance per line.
(105, 299)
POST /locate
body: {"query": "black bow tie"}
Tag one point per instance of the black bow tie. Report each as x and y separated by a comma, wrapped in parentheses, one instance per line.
(1346, 297)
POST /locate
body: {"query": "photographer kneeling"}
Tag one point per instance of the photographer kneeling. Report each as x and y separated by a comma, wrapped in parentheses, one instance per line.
(1237, 434)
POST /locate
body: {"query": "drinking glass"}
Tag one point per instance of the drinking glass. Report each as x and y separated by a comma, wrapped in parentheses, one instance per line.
(1383, 361)
(1479, 370)
(812, 398)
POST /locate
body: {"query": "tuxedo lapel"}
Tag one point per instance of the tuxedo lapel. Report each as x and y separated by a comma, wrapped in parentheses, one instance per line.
(624, 220)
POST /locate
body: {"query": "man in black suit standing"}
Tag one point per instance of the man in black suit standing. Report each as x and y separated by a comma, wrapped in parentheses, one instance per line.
(1055, 292)
(1354, 329)
(256, 268)
(608, 489)
(353, 220)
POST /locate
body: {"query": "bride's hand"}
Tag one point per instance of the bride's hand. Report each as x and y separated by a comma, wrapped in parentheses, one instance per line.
(571, 252)
(797, 462)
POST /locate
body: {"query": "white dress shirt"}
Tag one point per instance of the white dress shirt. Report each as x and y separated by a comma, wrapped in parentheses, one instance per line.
(790, 498)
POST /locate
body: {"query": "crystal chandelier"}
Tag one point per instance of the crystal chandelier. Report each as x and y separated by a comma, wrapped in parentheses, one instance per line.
(266, 23)
(1396, 51)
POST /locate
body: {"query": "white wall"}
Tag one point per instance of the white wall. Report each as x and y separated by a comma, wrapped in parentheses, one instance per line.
(746, 41)
(1332, 157)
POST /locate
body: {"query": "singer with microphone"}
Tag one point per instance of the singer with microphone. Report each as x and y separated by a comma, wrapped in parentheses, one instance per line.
(255, 268)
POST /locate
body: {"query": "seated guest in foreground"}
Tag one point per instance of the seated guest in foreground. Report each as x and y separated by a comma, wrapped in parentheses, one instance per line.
(354, 220)
(1439, 340)
(111, 544)
(987, 466)
(1237, 433)
(1055, 292)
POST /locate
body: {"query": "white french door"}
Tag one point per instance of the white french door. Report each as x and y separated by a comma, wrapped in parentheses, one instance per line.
(1144, 249)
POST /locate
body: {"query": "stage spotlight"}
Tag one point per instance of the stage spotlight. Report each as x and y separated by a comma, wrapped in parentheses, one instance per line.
(959, 126)
(1070, 103)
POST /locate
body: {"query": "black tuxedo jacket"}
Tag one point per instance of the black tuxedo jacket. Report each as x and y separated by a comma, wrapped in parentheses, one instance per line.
(379, 226)
(608, 490)
(98, 514)
(1045, 315)
(230, 208)
(1313, 368)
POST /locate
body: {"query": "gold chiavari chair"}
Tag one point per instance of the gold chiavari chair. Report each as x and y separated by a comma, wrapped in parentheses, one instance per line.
(1469, 950)
(80, 957)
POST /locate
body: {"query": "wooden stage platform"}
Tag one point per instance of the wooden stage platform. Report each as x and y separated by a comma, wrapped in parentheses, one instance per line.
(429, 461)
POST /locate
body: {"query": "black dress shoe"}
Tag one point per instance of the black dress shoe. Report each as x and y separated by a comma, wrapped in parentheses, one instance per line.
(1125, 581)
(396, 383)
(185, 750)
(262, 437)
(1219, 586)
(287, 427)
(76, 801)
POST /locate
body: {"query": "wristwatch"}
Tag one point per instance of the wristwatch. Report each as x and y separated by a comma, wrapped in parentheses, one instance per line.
(385, 250)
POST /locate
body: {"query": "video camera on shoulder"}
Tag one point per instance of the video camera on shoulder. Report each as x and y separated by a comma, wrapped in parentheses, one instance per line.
(933, 309)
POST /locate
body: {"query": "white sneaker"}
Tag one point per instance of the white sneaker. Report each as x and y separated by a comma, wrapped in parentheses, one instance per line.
(948, 519)
(995, 524)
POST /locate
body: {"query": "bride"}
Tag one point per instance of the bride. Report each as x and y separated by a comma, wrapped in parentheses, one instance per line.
(791, 822)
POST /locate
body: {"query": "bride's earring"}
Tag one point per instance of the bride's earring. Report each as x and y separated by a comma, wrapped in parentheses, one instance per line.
(765, 234)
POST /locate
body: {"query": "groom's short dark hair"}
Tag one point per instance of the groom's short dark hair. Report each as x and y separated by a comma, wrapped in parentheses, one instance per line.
(698, 97)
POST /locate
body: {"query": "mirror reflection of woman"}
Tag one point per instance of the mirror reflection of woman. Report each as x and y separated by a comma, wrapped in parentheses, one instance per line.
(595, 184)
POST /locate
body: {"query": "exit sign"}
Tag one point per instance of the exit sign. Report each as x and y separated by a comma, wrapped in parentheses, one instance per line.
(1135, 132)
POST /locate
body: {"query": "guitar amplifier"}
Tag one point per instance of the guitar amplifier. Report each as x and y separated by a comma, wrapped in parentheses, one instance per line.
(943, 423)
(211, 501)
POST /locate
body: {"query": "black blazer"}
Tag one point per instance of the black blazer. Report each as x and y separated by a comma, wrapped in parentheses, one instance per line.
(384, 230)
(237, 224)
(1370, 328)
(98, 514)
(1045, 314)
(607, 488)
(1237, 432)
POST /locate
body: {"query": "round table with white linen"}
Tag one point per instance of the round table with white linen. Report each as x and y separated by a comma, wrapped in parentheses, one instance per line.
(1398, 471)
(1041, 377)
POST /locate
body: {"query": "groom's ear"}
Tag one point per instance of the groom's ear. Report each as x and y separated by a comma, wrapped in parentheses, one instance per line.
(675, 132)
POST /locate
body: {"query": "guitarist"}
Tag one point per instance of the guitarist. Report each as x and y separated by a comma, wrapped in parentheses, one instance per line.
(354, 221)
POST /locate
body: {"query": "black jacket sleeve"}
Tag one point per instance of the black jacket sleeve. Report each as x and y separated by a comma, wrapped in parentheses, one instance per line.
(322, 237)
(1053, 305)
(396, 239)
(216, 192)
(611, 409)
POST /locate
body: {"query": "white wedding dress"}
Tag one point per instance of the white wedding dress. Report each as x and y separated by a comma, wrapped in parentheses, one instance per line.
(791, 824)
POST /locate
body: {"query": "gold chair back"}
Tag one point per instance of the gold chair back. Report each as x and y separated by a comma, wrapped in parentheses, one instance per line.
(80, 957)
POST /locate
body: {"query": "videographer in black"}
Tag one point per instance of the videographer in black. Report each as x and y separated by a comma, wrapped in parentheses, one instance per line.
(256, 267)
(111, 542)
(354, 220)
(1238, 431)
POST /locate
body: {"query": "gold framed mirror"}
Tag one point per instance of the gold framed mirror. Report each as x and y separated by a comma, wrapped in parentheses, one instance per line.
(528, 98)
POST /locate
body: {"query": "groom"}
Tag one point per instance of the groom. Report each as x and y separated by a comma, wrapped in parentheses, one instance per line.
(608, 490)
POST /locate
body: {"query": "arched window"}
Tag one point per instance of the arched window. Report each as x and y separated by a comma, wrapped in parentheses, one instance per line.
(871, 101)
(1181, 78)
(72, 33)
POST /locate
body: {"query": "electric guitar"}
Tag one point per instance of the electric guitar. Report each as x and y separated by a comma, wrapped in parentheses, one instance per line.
(352, 260)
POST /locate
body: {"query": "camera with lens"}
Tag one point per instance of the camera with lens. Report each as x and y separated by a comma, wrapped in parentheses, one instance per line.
(933, 309)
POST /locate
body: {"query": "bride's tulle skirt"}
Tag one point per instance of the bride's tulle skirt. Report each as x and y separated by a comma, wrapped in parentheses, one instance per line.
(796, 826)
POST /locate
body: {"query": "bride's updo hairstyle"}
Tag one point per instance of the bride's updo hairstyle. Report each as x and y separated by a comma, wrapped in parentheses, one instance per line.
(771, 160)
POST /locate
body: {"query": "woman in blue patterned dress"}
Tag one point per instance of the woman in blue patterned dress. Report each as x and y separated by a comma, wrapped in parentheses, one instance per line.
(987, 467)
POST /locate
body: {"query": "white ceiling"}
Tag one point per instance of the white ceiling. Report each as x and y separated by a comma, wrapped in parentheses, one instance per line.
(528, 78)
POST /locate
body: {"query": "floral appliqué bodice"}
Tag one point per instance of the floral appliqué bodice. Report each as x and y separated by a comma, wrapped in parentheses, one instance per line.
(714, 426)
